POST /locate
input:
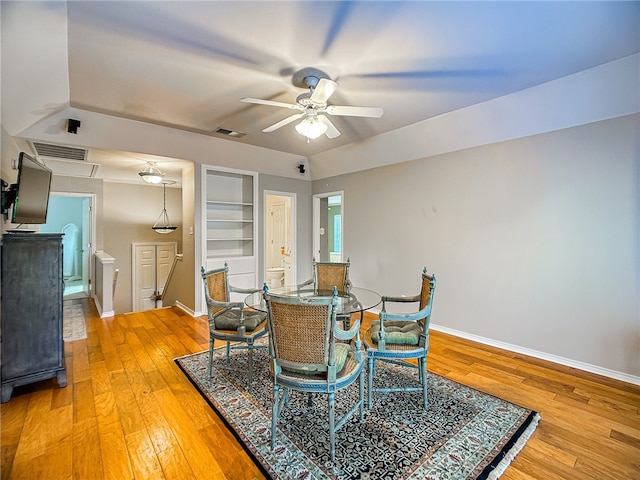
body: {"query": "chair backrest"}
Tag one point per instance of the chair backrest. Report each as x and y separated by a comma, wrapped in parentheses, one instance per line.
(300, 331)
(428, 287)
(216, 287)
(327, 275)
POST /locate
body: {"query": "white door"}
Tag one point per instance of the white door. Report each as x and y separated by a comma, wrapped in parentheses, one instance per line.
(164, 259)
(151, 266)
(279, 242)
(145, 278)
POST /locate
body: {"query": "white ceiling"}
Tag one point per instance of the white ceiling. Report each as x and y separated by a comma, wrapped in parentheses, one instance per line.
(188, 64)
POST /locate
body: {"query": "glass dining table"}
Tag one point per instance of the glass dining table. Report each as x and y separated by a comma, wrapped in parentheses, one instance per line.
(357, 300)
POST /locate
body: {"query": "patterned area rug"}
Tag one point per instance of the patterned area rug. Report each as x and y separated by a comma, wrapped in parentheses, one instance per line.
(73, 327)
(465, 434)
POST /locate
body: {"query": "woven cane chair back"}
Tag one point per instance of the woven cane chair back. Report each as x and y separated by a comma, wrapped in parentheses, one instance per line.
(427, 290)
(329, 275)
(301, 332)
(217, 289)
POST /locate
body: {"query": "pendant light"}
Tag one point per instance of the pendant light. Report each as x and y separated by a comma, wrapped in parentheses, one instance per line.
(151, 173)
(163, 225)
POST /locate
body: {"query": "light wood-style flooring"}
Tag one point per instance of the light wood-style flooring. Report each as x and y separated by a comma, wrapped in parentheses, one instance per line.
(129, 412)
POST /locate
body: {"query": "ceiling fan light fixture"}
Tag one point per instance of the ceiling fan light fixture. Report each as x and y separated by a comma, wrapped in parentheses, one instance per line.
(151, 173)
(311, 128)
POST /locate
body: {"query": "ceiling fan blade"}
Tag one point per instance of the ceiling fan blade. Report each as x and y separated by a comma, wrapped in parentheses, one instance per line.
(324, 89)
(373, 112)
(282, 123)
(270, 103)
(332, 131)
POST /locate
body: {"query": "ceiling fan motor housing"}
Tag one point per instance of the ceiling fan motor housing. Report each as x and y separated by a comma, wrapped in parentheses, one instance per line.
(308, 77)
(304, 99)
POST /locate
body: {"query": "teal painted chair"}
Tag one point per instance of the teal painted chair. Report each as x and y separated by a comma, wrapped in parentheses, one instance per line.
(229, 321)
(308, 354)
(401, 339)
(326, 276)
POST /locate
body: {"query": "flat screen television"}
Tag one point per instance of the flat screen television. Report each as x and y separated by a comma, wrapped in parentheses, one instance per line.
(31, 192)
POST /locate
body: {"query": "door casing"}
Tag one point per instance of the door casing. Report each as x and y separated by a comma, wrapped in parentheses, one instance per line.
(320, 236)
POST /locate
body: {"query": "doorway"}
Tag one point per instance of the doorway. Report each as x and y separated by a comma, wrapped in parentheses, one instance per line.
(328, 223)
(72, 214)
(280, 238)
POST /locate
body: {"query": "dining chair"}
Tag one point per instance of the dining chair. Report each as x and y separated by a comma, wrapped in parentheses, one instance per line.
(402, 337)
(308, 354)
(229, 321)
(326, 276)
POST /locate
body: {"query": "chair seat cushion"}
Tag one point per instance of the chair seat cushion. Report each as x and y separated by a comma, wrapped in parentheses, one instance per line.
(397, 332)
(342, 353)
(230, 320)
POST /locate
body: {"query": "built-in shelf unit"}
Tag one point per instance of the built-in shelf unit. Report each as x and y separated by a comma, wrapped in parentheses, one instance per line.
(229, 218)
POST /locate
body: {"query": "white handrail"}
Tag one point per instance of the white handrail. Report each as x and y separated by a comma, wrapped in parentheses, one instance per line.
(116, 272)
(160, 297)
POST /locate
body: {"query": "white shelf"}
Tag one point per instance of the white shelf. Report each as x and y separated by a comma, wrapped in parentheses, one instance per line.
(229, 215)
(217, 202)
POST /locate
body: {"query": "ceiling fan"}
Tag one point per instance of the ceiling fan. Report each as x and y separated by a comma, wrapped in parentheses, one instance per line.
(313, 106)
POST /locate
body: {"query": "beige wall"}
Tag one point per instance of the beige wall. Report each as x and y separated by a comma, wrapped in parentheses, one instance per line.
(182, 288)
(302, 189)
(534, 241)
(129, 212)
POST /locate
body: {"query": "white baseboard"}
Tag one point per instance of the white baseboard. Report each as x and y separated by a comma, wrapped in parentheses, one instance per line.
(186, 309)
(99, 307)
(624, 377)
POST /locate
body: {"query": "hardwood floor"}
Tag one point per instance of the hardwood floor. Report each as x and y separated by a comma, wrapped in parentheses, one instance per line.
(129, 412)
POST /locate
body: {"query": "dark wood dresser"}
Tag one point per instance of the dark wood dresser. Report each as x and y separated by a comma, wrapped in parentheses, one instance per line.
(32, 348)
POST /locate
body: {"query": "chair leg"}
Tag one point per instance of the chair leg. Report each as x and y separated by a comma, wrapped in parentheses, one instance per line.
(332, 421)
(361, 381)
(422, 363)
(228, 350)
(370, 382)
(210, 357)
(250, 348)
(274, 414)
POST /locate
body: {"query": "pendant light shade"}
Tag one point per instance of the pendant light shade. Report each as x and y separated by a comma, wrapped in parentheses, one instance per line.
(151, 173)
(163, 225)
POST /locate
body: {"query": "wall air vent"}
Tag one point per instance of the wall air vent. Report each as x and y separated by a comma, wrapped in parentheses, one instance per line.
(230, 133)
(64, 160)
(60, 151)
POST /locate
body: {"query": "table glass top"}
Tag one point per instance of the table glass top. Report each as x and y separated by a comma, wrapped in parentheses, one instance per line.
(357, 300)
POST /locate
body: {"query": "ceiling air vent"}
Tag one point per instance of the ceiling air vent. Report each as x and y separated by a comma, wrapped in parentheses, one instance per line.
(60, 151)
(230, 133)
(64, 160)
